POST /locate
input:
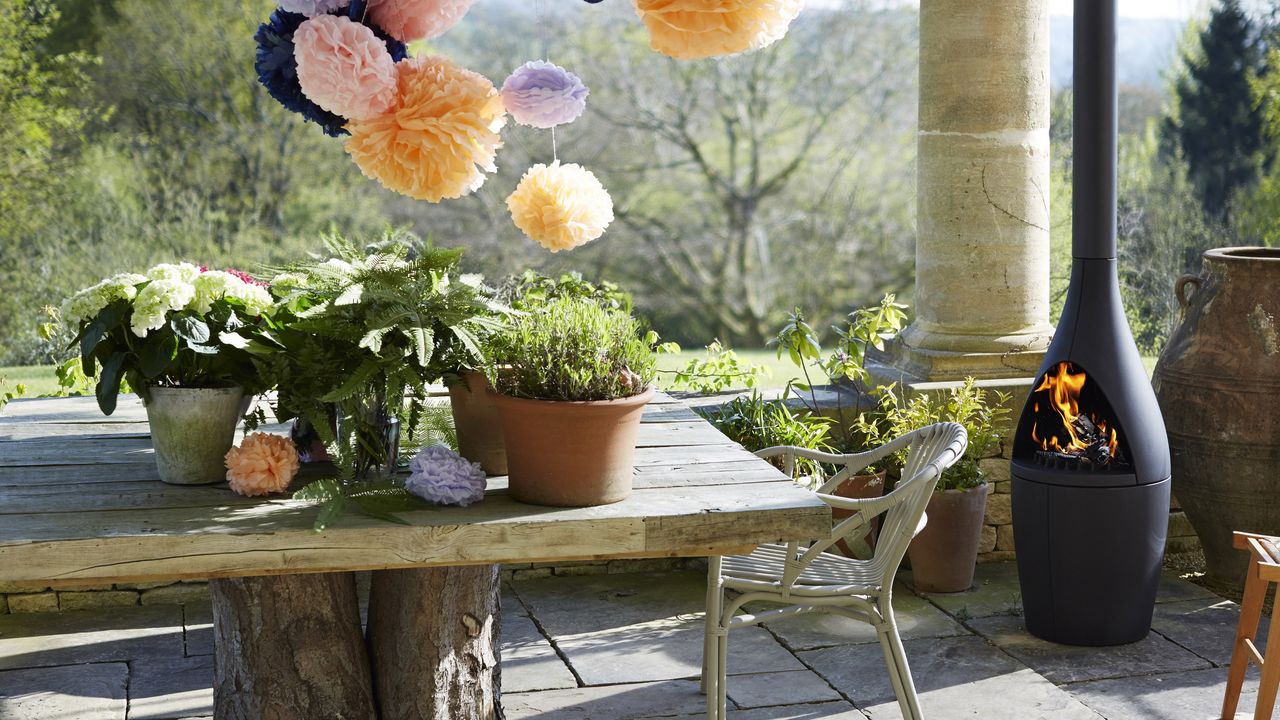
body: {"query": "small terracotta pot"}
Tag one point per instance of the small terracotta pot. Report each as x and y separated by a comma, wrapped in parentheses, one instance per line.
(477, 422)
(859, 487)
(570, 454)
(943, 555)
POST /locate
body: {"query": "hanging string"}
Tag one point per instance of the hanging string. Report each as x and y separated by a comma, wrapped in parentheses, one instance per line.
(541, 21)
(554, 156)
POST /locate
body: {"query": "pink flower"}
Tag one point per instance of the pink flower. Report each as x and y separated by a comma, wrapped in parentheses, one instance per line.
(344, 68)
(409, 20)
(263, 464)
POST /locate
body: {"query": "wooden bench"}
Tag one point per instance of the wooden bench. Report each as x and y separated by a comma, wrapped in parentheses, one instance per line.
(80, 502)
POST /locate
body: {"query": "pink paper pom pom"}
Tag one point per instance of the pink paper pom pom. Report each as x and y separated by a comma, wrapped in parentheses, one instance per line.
(344, 68)
(409, 20)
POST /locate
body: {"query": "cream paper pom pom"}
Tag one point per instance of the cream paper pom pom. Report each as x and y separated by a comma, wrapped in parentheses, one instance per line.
(693, 29)
(344, 68)
(560, 206)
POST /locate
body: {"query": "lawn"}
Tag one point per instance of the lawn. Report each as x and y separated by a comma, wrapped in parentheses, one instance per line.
(39, 379)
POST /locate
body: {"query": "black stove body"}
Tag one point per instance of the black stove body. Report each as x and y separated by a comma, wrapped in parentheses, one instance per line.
(1090, 469)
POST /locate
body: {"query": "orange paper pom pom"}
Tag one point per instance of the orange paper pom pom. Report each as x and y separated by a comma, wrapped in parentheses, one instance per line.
(441, 136)
(692, 29)
(560, 206)
(263, 464)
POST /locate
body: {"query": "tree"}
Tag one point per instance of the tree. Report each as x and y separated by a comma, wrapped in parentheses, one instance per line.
(1215, 123)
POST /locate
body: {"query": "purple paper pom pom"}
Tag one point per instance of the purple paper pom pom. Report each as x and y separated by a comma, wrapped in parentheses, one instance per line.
(311, 8)
(542, 95)
(442, 476)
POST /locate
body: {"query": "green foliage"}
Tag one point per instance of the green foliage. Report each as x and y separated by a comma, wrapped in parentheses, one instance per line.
(1216, 124)
(757, 423)
(10, 392)
(719, 371)
(985, 416)
(364, 326)
(572, 348)
(531, 290)
(381, 500)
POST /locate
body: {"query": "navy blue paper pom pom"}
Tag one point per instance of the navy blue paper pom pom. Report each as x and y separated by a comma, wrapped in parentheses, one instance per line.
(278, 71)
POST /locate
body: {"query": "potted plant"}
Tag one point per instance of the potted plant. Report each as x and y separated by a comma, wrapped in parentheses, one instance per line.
(366, 329)
(944, 554)
(184, 338)
(571, 382)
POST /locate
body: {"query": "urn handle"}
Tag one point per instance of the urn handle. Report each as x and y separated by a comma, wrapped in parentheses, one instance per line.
(1179, 289)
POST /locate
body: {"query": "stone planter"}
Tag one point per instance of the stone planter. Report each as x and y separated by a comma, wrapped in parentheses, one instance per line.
(192, 429)
(1218, 384)
(570, 454)
(943, 555)
(478, 424)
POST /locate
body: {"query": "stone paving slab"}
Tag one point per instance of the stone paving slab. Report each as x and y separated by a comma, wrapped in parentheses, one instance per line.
(528, 660)
(995, 592)
(917, 618)
(1206, 627)
(961, 677)
(81, 636)
(171, 689)
(665, 649)
(591, 603)
(197, 629)
(72, 692)
(610, 702)
(800, 687)
(815, 711)
(1179, 696)
(1066, 663)
(1175, 589)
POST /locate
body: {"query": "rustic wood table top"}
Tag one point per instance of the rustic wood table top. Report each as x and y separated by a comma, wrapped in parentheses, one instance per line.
(80, 501)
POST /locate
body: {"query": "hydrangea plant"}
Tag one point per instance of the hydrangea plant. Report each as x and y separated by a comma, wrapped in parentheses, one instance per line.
(177, 325)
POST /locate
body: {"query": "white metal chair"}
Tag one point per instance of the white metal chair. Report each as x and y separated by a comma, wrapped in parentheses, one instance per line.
(805, 578)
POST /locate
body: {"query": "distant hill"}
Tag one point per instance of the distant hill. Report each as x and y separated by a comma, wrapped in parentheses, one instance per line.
(1146, 47)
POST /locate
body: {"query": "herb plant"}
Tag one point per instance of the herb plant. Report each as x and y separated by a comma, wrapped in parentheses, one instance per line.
(719, 371)
(575, 349)
(757, 423)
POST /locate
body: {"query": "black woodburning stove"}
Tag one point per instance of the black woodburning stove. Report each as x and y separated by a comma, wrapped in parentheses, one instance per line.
(1090, 455)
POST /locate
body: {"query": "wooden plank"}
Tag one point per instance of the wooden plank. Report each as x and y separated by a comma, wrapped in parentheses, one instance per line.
(275, 537)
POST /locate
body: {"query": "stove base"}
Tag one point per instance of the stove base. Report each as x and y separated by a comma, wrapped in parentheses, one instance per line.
(1089, 559)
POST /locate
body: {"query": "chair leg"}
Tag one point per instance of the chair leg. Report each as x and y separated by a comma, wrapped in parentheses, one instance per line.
(1255, 591)
(1270, 681)
(715, 599)
(899, 672)
(722, 670)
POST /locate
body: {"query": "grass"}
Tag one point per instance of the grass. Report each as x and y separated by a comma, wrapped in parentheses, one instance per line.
(39, 379)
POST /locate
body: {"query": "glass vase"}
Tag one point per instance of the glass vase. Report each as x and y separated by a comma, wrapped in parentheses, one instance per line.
(369, 427)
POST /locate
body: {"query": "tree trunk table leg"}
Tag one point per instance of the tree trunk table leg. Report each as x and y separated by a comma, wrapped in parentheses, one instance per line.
(290, 647)
(433, 637)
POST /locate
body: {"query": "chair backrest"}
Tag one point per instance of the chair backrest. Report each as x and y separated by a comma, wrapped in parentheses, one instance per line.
(930, 450)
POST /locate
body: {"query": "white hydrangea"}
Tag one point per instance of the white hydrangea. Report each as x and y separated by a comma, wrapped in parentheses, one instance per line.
(181, 272)
(156, 300)
(213, 285)
(90, 301)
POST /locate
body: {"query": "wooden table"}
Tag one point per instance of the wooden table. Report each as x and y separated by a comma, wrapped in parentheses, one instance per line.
(80, 501)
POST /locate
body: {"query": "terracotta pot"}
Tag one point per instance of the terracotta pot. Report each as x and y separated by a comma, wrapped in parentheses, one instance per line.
(943, 555)
(1218, 383)
(476, 420)
(570, 454)
(859, 487)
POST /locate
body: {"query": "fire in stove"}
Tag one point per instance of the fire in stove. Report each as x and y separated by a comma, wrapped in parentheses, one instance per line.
(1066, 436)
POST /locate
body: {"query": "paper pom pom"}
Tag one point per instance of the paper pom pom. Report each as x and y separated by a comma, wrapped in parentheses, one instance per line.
(311, 8)
(344, 68)
(440, 138)
(560, 206)
(692, 29)
(542, 95)
(263, 464)
(278, 69)
(442, 476)
(410, 20)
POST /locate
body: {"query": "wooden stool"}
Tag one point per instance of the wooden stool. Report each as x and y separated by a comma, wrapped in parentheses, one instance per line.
(1264, 569)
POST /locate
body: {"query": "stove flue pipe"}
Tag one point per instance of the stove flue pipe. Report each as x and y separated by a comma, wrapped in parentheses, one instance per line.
(1094, 126)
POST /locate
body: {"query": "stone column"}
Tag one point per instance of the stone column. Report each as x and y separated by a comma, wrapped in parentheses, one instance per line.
(981, 304)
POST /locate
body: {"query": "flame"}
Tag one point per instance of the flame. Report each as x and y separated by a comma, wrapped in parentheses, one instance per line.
(1063, 385)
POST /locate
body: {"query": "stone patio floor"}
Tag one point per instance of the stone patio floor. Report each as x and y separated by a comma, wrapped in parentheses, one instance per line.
(613, 647)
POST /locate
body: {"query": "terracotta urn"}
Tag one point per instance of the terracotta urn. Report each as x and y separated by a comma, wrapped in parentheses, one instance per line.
(1218, 384)
(859, 487)
(477, 423)
(570, 454)
(944, 554)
